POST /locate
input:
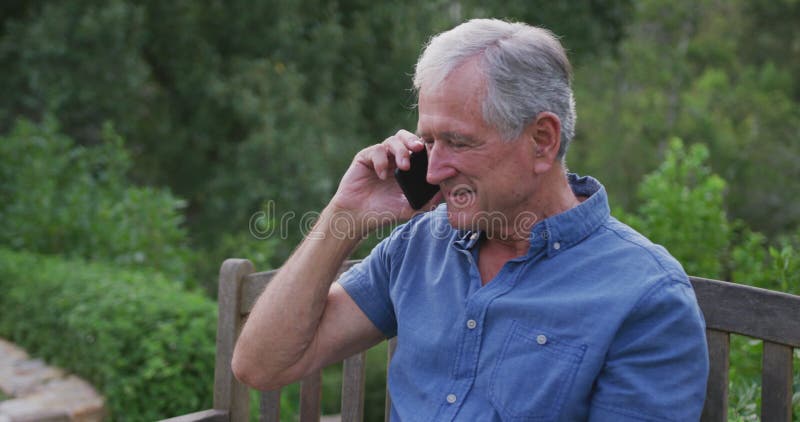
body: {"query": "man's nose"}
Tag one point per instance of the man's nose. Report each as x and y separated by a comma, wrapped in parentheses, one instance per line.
(439, 164)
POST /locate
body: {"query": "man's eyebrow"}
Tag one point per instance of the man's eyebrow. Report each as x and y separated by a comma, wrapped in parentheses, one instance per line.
(450, 136)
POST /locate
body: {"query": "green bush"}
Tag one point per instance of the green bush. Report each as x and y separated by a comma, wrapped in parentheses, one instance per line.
(61, 198)
(683, 209)
(143, 341)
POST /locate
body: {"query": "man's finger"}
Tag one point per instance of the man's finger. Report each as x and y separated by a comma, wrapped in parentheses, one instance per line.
(376, 158)
(395, 147)
(410, 140)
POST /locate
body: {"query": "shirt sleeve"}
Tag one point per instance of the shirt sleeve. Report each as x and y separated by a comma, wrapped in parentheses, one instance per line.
(657, 366)
(368, 282)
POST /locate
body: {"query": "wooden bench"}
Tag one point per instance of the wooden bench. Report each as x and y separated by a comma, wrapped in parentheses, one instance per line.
(773, 317)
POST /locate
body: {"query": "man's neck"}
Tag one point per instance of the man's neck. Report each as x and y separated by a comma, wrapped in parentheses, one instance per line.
(554, 197)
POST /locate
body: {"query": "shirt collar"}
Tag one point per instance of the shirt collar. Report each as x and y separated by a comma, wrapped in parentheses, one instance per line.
(563, 230)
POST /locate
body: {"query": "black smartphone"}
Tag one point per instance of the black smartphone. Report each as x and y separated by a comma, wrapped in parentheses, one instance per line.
(417, 190)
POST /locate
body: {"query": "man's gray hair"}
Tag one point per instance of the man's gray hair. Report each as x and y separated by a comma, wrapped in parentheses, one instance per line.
(526, 69)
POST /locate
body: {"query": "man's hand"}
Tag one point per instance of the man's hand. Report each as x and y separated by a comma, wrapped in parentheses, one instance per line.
(368, 191)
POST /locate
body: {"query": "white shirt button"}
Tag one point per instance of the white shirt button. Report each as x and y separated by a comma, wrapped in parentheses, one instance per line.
(541, 339)
(474, 236)
(471, 324)
(556, 246)
(451, 398)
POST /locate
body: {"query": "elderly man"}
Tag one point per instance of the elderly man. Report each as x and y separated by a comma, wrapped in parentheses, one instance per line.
(519, 298)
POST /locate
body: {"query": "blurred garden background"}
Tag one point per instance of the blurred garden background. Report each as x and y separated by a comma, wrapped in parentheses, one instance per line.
(139, 138)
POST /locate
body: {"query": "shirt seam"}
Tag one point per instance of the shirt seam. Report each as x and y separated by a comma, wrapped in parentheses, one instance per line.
(662, 283)
(669, 273)
(359, 279)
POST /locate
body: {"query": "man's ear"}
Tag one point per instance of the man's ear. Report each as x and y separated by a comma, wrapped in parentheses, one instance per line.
(545, 134)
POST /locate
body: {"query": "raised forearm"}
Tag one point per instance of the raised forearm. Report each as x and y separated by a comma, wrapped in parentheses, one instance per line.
(275, 342)
(299, 322)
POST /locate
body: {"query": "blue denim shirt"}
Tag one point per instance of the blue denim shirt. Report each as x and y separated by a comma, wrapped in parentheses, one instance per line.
(594, 323)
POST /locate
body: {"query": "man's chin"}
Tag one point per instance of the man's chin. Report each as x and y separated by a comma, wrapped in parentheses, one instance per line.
(461, 220)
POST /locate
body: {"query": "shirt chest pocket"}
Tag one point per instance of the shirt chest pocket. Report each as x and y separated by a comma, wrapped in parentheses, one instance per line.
(533, 375)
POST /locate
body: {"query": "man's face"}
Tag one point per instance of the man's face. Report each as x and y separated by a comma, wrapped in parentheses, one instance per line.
(486, 182)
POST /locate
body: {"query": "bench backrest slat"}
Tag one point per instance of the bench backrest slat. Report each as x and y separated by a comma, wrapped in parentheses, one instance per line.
(270, 406)
(229, 393)
(389, 352)
(354, 375)
(776, 382)
(310, 397)
(716, 406)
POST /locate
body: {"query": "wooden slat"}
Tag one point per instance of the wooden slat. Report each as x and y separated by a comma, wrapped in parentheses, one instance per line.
(229, 393)
(776, 383)
(354, 374)
(254, 284)
(715, 408)
(202, 416)
(310, 397)
(270, 406)
(387, 412)
(751, 311)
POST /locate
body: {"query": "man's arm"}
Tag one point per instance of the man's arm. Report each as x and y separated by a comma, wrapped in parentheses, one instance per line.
(301, 322)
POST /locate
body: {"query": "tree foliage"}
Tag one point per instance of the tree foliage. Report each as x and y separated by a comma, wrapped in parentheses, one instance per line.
(231, 104)
(689, 69)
